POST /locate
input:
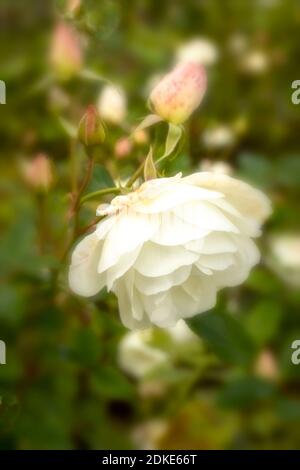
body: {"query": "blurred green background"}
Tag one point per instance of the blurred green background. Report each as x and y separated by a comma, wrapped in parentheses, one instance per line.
(67, 383)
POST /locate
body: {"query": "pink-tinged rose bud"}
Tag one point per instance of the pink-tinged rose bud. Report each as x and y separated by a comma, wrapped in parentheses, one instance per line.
(65, 52)
(90, 130)
(38, 173)
(123, 148)
(179, 93)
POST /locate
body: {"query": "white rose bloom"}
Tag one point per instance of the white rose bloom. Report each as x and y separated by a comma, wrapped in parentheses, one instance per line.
(112, 104)
(168, 247)
(199, 50)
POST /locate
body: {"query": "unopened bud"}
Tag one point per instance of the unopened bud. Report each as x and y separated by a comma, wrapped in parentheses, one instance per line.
(90, 130)
(179, 93)
(38, 173)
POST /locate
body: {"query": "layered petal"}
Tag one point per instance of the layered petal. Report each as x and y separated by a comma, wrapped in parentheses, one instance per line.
(249, 201)
(128, 232)
(83, 276)
(156, 260)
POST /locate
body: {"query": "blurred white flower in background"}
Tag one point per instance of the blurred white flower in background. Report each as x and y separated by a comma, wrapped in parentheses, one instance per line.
(140, 352)
(148, 434)
(136, 355)
(112, 104)
(285, 257)
(250, 59)
(199, 50)
(216, 166)
(238, 43)
(286, 249)
(218, 137)
(268, 3)
(255, 62)
(168, 247)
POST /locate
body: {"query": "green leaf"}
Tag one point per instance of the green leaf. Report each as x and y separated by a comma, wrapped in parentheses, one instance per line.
(110, 382)
(289, 409)
(256, 168)
(175, 138)
(149, 167)
(101, 179)
(288, 171)
(86, 348)
(264, 321)
(245, 391)
(225, 335)
(262, 281)
(174, 135)
(148, 121)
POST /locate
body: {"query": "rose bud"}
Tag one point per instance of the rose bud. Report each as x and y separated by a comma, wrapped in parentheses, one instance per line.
(179, 93)
(65, 52)
(38, 173)
(123, 147)
(90, 130)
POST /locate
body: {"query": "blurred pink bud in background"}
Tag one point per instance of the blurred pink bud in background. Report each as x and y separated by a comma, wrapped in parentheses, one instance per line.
(266, 365)
(112, 104)
(65, 51)
(140, 137)
(179, 93)
(123, 147)
(38, 172)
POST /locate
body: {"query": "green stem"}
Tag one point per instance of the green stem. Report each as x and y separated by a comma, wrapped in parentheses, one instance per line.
(84, 184)
(42, 222)
(73, 166)
(101, 192)
(135, 175)
(75, 211)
